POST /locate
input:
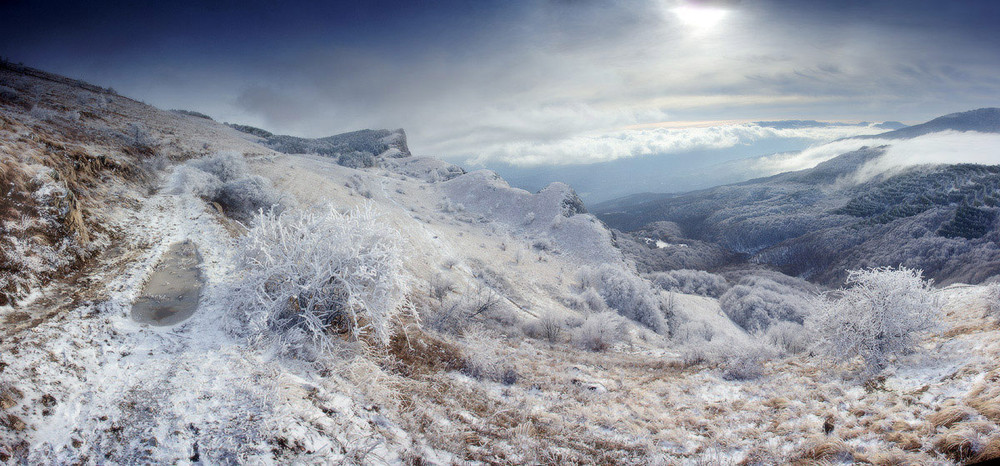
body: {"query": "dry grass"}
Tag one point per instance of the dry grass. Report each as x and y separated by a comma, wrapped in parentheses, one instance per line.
(951, 414)
(822, 450)
(985, 397)
(84, 162)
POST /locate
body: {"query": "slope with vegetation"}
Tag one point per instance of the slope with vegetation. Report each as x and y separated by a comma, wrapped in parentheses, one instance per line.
(820, 222)
(409, 312)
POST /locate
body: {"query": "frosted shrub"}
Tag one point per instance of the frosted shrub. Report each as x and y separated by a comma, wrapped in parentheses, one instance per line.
(756, 304)
(485, 358)
(548, 327)
(793, 338)
(992, 296)
(226, 166)
(601, 331)
(695, 332)
(242, 198)
(187, 179)
(878, 317)
(454, 316)
(308, 274)
(746, 361)
(627, 294)
(690, 282)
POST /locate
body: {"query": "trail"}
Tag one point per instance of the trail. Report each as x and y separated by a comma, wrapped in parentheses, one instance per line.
(116, 391)
(158, 394)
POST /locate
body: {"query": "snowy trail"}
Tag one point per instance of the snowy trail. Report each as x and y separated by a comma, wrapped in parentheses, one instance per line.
(159, 391)
(129, 393)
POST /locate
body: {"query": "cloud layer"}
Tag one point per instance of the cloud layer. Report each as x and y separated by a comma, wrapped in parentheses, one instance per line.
(604, 147)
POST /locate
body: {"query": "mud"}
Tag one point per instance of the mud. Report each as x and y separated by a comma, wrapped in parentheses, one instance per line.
(172, 292)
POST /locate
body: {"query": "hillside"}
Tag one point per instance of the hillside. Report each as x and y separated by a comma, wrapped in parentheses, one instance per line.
(357, 149)
(178, 291)
(819, 222)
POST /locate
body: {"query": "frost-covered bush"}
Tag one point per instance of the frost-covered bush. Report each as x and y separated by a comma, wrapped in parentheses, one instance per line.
(992, 296)
(245, 197)
(227, 166)
(476, 305)
(187, 179)
(746, 361)
(138, 136)
(356, 159)
(601, 331)
(225, 178)
(548, 326)
(694, 332)
(450, 207)
(439, 287)
(690, 282)
(626, 293)
(756, 303)
(878, 318)
(791, 337)
(485, 358)
(309, 274)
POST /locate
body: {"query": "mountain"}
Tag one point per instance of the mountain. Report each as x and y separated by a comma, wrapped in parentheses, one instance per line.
(357, 149)
(983, 120)
(819, 222)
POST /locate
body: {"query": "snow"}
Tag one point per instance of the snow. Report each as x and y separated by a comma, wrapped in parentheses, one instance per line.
(170, 394)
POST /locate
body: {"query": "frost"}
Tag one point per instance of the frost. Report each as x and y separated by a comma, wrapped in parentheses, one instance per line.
(308, 274)
(878, 317)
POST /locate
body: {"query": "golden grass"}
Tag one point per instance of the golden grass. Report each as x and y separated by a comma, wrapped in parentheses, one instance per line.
(821, 450)
(985, 397)
(951, 414)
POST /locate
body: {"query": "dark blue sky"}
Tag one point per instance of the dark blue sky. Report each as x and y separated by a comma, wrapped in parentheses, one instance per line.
(507, 80)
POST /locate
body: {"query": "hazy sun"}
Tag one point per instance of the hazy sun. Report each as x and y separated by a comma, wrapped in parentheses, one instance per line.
(700, 17)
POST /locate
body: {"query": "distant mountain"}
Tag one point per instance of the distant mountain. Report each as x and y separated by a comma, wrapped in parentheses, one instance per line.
(797, 124)
(816, 224)
(356, 149)
(983, 120)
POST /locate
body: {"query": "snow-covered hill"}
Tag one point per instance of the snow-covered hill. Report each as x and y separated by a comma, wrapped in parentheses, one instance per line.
(524, 334)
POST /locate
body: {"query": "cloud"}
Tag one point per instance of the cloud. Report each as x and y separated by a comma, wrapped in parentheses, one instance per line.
(608, 146)
(947, 147)
(809, 157)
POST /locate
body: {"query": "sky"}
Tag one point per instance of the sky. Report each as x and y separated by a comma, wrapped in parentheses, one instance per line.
(525, 83)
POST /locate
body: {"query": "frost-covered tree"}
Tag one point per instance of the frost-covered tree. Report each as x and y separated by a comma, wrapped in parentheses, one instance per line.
(308, 274)
(878, 317)
(757, 302)
(690, 282)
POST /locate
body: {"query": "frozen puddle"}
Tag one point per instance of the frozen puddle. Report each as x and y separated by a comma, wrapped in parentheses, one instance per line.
(172, 292)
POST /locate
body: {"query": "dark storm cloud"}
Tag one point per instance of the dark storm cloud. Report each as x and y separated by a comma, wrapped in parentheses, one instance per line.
(522, 80)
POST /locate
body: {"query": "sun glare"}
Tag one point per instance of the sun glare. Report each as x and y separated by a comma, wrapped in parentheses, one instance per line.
(700, 17)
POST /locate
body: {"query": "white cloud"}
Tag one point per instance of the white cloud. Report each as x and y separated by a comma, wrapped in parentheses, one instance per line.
(608, 146)
(810, 157)
(947, 147)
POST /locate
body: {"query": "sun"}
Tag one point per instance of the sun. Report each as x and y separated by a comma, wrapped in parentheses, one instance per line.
(699, 17)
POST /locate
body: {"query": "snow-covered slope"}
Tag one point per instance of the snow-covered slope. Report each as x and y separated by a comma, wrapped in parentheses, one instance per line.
(491, 358)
